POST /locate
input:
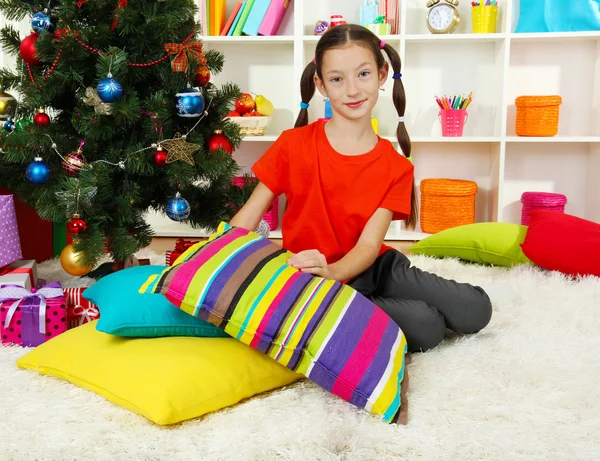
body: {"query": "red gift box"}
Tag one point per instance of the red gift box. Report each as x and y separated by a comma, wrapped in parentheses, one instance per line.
(29, 318)
(23, 273)
(180, 246)
(79, 309)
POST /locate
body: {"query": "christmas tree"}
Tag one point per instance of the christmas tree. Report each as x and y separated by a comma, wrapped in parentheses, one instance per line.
(117, 115)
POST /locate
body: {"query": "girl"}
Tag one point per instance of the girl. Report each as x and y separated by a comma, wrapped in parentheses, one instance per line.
(344, 185)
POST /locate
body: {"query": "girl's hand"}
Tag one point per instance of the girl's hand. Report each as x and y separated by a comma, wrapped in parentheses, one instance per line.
(312, 262)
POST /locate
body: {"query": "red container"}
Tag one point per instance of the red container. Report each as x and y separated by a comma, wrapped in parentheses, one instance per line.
(453, 122)
(541, 201)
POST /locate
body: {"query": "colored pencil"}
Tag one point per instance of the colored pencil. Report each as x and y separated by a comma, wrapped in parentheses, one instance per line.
(457, 102)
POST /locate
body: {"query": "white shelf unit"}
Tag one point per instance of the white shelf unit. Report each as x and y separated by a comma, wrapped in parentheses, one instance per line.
(495, 67)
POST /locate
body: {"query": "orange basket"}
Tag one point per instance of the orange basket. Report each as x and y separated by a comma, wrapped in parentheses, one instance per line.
(446, 203)
(537, 115)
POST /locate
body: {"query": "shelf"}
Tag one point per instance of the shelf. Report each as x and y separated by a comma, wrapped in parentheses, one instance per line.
(554, 139)
(477, 38)
(266, 138)
(551, 168)
(496, 67)
(425, 139)
(543, 36)
(387, 38)
(249, 39)
(556, 68)
(405, 235)
(402, 235)
(422, 38)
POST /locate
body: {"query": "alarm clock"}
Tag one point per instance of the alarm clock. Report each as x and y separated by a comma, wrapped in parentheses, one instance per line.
(443, 17)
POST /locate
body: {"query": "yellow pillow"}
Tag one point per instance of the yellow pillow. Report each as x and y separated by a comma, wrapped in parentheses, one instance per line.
(168, 379)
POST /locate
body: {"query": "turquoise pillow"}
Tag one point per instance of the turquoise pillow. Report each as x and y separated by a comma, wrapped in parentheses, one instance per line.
(126, 312)
(572, 15)
(532, 16)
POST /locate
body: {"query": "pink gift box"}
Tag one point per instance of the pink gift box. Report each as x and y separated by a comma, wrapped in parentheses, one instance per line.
(10, 245)
(29, 318)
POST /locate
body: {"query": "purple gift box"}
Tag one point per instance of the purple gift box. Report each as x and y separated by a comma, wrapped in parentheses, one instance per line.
(10, 245)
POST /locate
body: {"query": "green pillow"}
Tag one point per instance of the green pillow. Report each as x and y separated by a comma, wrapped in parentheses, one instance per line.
(493, 243)
(126, 312)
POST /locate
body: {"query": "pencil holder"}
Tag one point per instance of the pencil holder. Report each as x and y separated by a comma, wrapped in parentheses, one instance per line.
(484, 19)
(453, 122)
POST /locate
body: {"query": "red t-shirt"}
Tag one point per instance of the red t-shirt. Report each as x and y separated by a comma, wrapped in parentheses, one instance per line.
(332, 196)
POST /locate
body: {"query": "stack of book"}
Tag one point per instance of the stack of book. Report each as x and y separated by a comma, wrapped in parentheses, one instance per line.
(249, 17)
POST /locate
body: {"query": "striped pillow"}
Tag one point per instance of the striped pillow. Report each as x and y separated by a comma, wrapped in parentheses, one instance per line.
(321, 329)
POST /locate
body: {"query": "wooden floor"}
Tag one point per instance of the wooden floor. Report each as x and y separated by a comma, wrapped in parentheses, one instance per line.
(162, 244)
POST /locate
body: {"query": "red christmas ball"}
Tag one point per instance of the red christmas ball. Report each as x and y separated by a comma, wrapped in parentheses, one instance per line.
(160, 156)
(202, 76)
(28, 50)
(41, 118)
(219, 141)
(76, 225)
(73, 163)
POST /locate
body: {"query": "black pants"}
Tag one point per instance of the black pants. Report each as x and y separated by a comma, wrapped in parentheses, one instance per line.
(423, 304)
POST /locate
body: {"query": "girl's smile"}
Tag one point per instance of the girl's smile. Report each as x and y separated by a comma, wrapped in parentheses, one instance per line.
(355, 105)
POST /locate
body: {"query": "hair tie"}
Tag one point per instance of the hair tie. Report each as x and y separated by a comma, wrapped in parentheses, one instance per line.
(382, 45)
(397, 76)
(401, 119)
(304, 105)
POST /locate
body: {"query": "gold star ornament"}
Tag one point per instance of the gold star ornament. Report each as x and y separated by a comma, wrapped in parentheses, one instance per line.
(178, 149)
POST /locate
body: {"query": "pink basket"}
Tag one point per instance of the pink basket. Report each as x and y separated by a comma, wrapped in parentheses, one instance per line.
(272, 214)
(540, 200)
(453, 122)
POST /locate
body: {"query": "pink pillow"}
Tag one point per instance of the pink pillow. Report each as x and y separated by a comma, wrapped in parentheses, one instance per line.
(561, 242)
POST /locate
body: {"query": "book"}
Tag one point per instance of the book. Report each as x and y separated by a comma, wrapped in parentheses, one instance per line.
(208, 17)
(211, 16)
(274, 17)
(243, 17)
(393, 16)
(230, 21)
(256, 16)
(237, 19)
(220, 16)
(203, 17)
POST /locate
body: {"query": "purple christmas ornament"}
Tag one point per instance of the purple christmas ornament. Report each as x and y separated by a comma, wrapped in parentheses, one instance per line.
(321, 27)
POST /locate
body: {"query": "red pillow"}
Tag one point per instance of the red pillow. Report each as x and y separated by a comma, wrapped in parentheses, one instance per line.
(562, 242)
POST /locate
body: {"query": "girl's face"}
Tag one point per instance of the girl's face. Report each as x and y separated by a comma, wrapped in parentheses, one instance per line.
(351, 81)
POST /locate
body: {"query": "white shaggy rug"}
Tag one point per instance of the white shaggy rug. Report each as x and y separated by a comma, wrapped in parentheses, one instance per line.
(525, 388)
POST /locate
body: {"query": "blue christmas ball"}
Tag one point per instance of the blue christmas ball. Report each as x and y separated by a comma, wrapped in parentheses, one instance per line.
(42, 22)
(189, 103)
(37, 171)
(9, 126)
(110, 89)
(178, 208)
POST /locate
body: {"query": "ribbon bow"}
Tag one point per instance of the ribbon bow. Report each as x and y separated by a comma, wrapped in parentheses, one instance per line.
(183, 53)
(17, 294)
(380, 19)
(85, 314)
(181, 245)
